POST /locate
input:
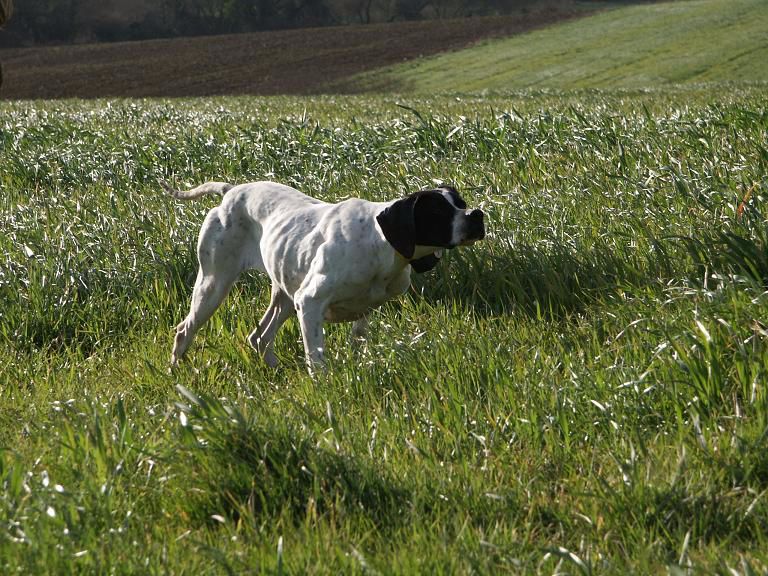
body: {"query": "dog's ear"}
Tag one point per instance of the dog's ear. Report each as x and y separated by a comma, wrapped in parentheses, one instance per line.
(425, 263)
(397, 221)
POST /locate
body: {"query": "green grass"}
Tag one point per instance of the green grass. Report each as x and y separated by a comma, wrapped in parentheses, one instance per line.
(582, 392)
(688, 41)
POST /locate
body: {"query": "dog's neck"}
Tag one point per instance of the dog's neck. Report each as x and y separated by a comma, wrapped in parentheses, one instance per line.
(424, 258)
(421, 251)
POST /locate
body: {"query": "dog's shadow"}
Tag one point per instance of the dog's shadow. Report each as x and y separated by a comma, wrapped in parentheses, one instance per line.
(495, 279)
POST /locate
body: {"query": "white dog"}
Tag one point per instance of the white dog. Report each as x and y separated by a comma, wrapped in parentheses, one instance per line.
(327, 262)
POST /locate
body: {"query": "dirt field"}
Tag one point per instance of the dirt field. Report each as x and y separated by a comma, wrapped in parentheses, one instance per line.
(281, 62)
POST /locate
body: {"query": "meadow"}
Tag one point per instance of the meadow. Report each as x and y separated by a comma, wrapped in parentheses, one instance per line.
(648, 44)
(583, 392)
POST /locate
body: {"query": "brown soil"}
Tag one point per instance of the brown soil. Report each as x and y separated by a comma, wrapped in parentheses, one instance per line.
(280, 62)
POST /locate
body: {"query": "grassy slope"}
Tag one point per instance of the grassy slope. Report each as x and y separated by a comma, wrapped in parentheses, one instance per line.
(636, 46)
(583, 391)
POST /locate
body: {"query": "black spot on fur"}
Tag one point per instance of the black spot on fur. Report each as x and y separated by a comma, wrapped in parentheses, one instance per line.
(424, 218)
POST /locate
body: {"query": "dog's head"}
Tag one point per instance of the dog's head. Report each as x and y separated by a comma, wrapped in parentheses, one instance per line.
(433, 219)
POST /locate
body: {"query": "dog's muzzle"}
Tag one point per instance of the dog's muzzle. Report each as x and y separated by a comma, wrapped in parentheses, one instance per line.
(474, 229)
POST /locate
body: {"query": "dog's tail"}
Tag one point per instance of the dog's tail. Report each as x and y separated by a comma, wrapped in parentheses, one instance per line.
(219, 188)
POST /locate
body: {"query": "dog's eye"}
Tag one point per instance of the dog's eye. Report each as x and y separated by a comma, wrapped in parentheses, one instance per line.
(435, 206)
(458, 202)
(453, 197)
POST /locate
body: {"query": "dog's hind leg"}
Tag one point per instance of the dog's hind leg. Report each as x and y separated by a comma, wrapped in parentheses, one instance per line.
(359, 330)
(208, 294)
(219, 269)
(262, 339)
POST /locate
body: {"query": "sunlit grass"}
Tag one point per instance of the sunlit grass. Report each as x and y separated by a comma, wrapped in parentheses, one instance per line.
(582, 391)
(632, 45)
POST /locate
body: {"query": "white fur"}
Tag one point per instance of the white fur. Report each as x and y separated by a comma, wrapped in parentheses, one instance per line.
(328, 262)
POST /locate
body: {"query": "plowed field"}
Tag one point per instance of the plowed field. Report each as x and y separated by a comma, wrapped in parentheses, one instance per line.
(306, 61)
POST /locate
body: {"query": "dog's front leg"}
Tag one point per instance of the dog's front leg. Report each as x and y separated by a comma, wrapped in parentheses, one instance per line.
(311, 311)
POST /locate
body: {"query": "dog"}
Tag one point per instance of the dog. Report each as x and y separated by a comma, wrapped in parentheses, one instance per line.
(327, 262)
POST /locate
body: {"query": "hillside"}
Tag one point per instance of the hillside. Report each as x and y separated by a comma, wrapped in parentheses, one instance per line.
(634, 46)
(280, 62)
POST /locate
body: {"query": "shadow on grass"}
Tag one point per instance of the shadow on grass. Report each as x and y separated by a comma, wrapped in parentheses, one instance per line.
(50, 307)
(494, 280)
(247, 468)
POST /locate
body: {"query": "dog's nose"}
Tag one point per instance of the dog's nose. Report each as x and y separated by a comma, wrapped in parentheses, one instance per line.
(476, 218)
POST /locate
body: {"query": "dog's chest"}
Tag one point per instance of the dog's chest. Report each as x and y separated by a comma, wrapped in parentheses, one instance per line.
(334, 254)
(352, 301)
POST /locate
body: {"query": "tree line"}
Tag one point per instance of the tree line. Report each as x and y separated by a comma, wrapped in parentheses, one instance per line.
(66, 21)
(6, 9)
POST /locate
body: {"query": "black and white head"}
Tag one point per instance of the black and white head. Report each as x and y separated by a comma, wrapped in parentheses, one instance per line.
(422, 225)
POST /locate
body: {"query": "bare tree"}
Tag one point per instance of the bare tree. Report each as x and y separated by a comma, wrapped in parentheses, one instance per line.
(450, 8)
(213, 12)
(6, 9)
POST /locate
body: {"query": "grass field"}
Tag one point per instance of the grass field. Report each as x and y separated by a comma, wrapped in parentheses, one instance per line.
(690, 41)
(582, 392)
